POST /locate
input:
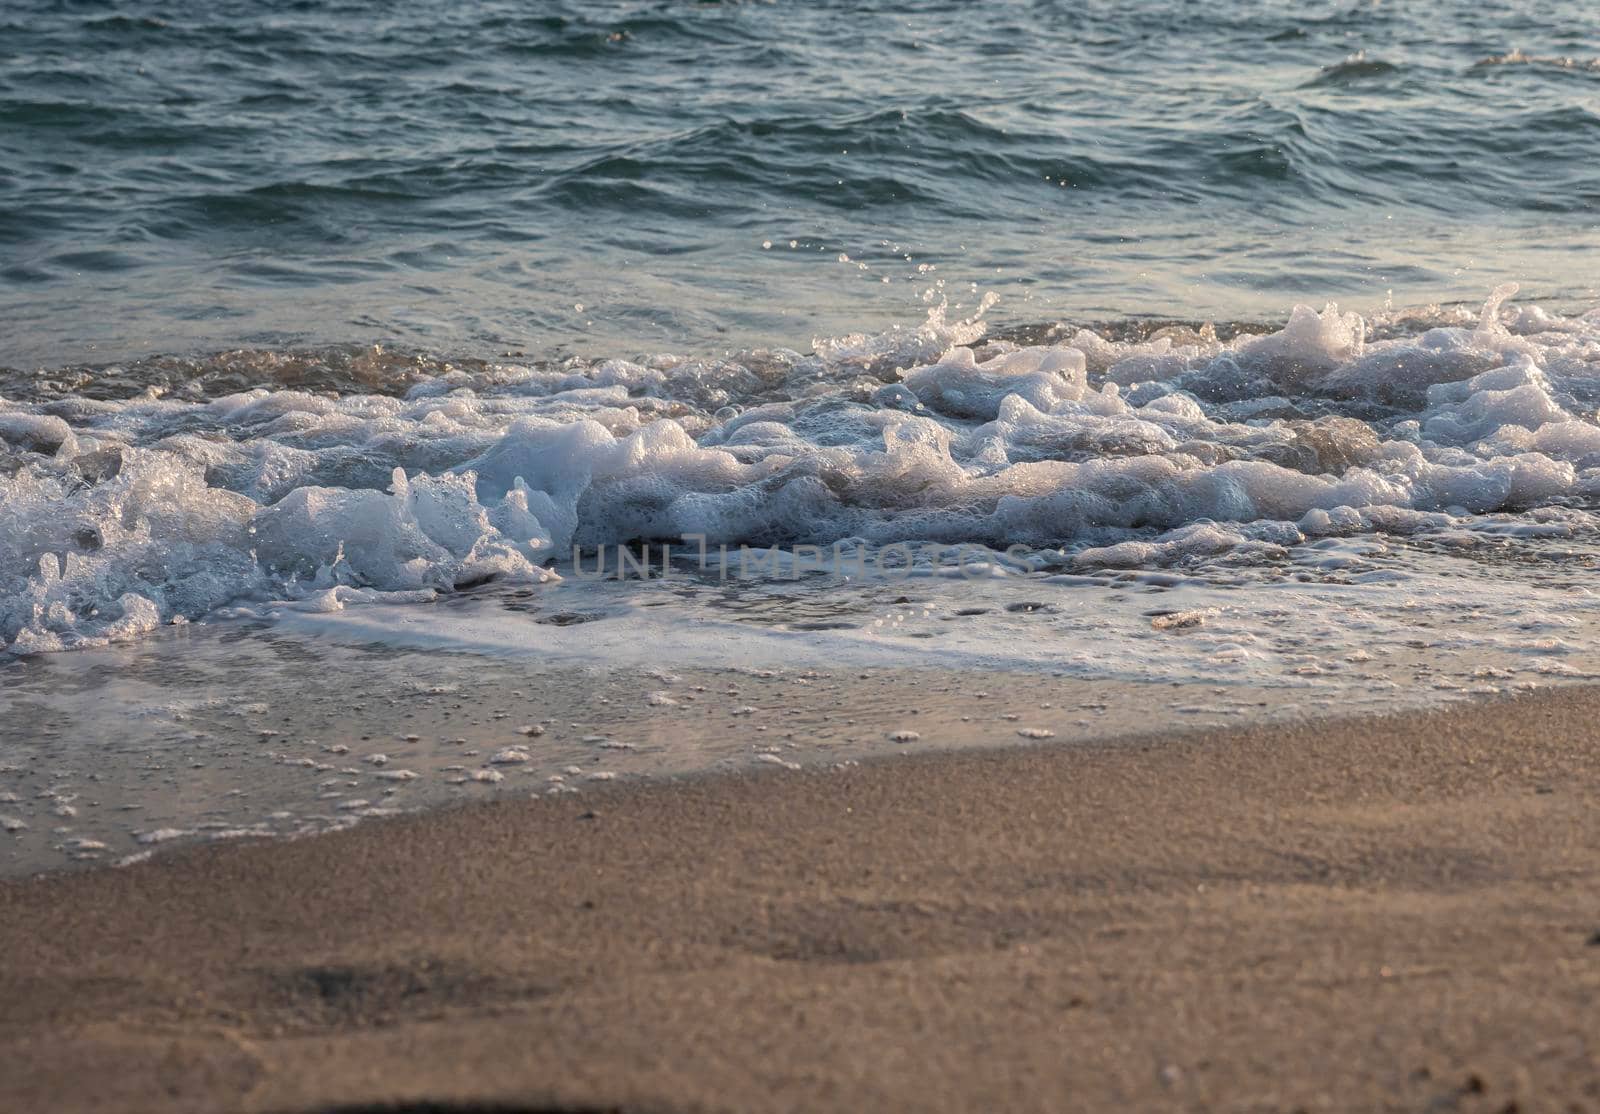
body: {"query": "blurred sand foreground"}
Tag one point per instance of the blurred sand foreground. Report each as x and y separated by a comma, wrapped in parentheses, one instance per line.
(1383, 913)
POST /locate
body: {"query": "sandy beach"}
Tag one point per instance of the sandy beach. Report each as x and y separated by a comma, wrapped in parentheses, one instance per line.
(1394, 913)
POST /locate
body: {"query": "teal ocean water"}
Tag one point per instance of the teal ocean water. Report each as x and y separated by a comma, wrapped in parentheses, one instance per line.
(314, 305)
(618, 177)
(349, 350)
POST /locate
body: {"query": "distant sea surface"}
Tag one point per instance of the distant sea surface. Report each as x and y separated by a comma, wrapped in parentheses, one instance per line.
(616, 178)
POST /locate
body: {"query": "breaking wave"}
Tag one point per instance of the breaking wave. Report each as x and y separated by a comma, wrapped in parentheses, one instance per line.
(1122, 448)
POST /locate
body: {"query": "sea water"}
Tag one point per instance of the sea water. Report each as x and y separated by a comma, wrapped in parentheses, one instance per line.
(1296, 497)
(626, 177)
(1253, 345)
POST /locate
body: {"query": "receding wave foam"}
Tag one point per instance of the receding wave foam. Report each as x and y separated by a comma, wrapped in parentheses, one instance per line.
(1164, 451)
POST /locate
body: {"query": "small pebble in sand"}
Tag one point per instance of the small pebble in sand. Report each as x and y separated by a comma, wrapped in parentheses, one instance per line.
(13, 824)
(490, 776)
(377, 759)
(1182, 620)
(398, 775)
(602, 775)
(1036, 733)
(904, 736)
(510, 756)
(531, 729)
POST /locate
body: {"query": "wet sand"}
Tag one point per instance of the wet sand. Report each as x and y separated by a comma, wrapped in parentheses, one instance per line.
(1394, 913)
(240, 731)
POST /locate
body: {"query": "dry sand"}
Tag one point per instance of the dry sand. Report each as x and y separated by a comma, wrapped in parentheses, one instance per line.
(1396, 913)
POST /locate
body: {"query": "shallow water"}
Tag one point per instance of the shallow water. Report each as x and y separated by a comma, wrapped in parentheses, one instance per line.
(620, 177)
(252, 731)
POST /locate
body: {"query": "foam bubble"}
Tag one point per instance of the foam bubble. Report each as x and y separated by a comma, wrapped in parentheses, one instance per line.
(117, 517)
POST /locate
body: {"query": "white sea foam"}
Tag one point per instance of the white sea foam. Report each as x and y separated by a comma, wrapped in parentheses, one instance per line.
(1177, 451)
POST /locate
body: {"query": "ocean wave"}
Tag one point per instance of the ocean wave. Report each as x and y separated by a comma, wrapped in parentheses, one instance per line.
(1355, 69)
(263, 176)
(121, 514)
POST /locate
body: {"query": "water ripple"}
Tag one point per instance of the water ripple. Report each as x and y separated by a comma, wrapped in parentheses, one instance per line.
(632, 159)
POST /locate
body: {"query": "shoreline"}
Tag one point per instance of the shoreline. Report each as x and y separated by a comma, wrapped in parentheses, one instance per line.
(245, 731)
(1379, 913)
